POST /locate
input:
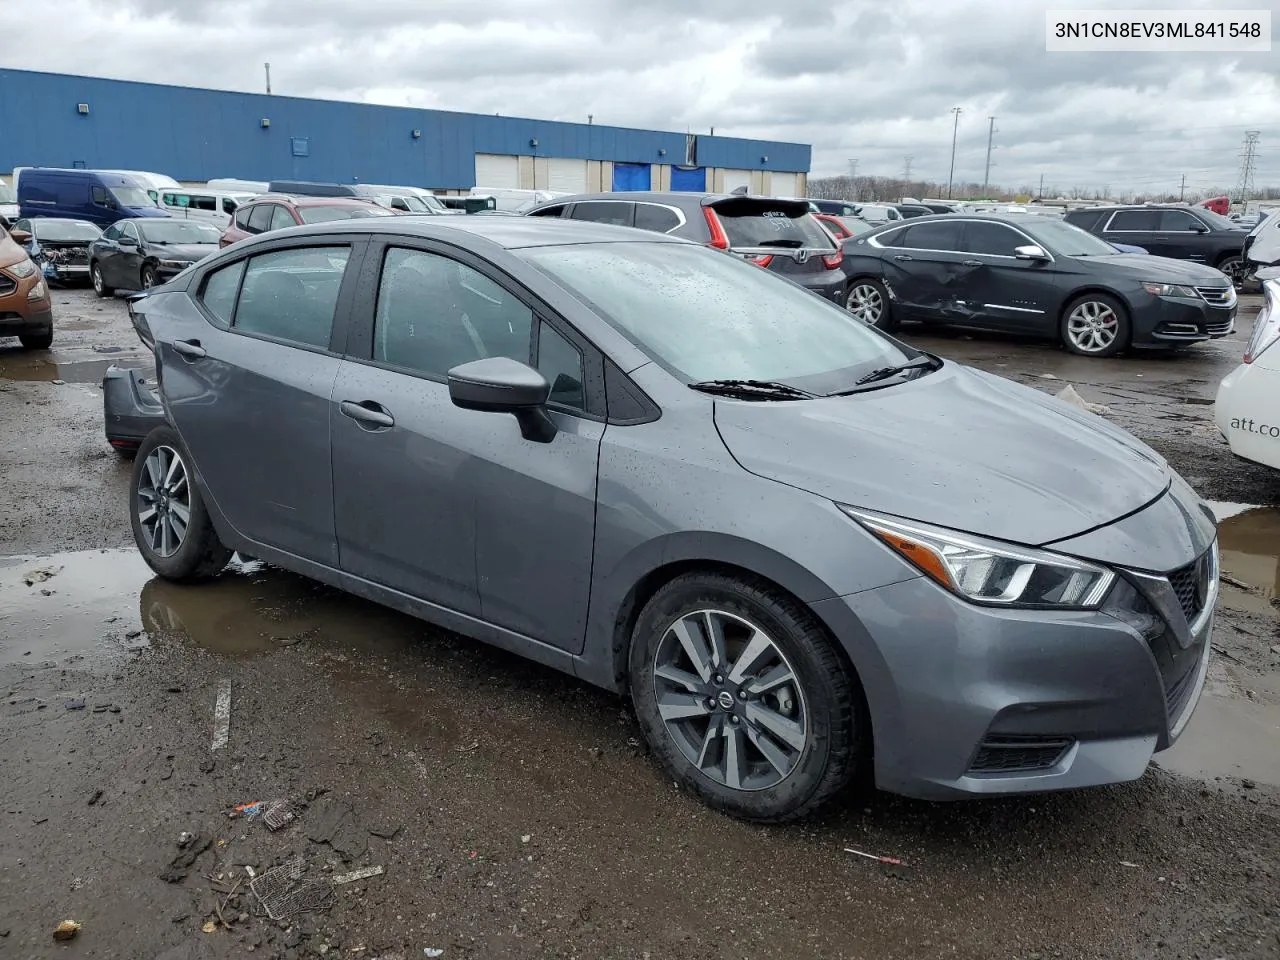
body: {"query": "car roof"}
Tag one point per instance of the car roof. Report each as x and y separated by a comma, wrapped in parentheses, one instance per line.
(303, 200)
(56, 220)
(674, 197)
(1012, 219)
(511, 233)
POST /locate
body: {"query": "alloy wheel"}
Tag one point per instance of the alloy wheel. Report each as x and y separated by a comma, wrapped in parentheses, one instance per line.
(730, 700)
(1093, 326)
(866, 303)
(148, 278)
(97, 280)
(164, 501)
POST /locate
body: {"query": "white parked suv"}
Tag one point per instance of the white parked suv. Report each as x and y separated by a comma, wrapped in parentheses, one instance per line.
(1248, 405)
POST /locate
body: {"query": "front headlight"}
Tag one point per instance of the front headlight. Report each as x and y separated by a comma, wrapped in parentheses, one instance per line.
(1170, 290)
(22, 269)
(39, 291)
(175, 264)
(989, 572)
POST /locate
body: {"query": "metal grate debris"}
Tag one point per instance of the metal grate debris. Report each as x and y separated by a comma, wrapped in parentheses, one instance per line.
(279, 814)
(284, 892)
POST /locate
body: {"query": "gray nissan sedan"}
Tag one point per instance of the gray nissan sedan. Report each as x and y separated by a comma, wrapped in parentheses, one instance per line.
(809, 553)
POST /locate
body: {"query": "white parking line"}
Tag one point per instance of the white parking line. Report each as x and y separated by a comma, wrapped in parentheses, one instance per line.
(222, 716)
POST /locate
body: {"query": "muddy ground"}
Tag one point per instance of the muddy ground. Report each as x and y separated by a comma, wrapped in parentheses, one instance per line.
(512, 810)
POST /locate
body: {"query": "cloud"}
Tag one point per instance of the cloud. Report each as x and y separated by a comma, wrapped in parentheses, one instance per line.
(859, 80)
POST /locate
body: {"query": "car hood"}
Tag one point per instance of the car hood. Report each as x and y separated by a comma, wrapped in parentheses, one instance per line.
(182, 251)
(1157, 269)
(958, 448)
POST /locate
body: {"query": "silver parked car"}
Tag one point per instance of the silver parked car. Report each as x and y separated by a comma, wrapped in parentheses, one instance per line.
(806, 550)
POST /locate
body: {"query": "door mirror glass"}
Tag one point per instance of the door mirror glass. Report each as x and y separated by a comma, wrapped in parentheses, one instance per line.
(128, 241)
(1030, 252)
(20, 237)
(503, 385)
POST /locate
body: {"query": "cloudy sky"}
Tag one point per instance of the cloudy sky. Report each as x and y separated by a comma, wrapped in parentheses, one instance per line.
(859, 79)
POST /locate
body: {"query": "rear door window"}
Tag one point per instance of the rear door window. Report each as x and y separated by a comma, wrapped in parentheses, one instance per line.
(991, 239)
(242, 217)
(941, 235)
(281, 219)
(1134, 221)
(755, 224)
(1178, 221)
(618, 212)
(291, 294)
(555, 210)
(260, 218)
(219, 292)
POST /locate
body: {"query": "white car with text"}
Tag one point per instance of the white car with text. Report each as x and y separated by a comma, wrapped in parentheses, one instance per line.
(1247, 410)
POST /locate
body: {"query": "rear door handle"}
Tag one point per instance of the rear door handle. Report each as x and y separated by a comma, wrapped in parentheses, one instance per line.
(903, 256)
(971, 263)
(189, 348)
(368, 412)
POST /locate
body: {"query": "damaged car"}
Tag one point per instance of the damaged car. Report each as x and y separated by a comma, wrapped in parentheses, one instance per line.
(138, 254)
(60, 248)
(811, 554)
(1039, 276)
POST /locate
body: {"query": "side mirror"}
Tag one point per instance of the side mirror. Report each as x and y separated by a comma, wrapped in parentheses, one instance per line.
(127, 242)
(1030, 252)
(20, 237)
(503, 385)
(1199, 228)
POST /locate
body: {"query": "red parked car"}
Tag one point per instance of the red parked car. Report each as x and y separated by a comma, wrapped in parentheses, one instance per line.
(277, 211)
(843, 228)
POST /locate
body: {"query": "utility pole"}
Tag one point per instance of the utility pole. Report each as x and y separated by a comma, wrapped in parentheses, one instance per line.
(591, 117)
(955, 128)
(986, 177)
(1182, 190)
(1042, 186)
(267, 67)
(853, 178)
(1248, 161)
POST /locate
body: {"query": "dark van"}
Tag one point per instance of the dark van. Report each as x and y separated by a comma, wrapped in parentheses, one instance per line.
(311, 188)
(101, 198)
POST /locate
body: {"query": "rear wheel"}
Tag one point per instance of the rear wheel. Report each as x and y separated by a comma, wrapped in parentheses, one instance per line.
(868, 300)
(170, 522)
(1095, 325)
(36, 341)
(99, 285)
(743, 697)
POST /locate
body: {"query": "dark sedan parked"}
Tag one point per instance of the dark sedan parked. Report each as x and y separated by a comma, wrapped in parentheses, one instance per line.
(137, 254)
(1022, 273)
(779, 235)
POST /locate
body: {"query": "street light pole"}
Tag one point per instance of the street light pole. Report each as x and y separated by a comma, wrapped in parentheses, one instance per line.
(955, 128)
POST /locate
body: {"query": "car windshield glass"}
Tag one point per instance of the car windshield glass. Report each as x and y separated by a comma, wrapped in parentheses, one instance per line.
(756, 224)
(328, 214)
(6, 194)
(132, 197)
(1217, 221)
(179, 231)
(1069, 240)
(434, 203)
(707, 316)
(65, 231)
(855, 225)
(413, 203)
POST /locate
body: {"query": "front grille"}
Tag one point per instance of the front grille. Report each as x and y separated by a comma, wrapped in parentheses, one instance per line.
(1176, 693)
(7, 285)
(1018, 754)
(1188, 585)
(1218, 296)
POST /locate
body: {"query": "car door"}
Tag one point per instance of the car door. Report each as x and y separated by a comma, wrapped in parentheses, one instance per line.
(1136, 227)
(1184, 236)
(922, 266)
(125, 267)
(1004, 292)
(106, 249)
(248, 383)
(455, 507)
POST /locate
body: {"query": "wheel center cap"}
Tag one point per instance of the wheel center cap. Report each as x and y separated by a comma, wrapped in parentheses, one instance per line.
(725, 699)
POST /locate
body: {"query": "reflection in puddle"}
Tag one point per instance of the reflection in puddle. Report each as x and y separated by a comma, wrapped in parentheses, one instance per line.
(26, 367)
(1250, 542)
(1230, 736)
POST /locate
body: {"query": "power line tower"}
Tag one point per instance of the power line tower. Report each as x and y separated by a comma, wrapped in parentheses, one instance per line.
(986, 177)
(853, 179)
(906, 168)
(1248, 162)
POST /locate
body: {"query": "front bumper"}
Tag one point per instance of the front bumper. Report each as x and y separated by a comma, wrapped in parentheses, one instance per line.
(1168, 321)
(968, 700)
(18, 315)
(130, 407)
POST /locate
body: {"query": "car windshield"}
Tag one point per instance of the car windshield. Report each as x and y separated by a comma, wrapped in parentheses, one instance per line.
(413, 203)
(1217, 220)
(178, 231)
(329, 214)
(707, 316)
(1068, 240)
(64, 231)
(433, 203)
(132, 197)
(855, 225)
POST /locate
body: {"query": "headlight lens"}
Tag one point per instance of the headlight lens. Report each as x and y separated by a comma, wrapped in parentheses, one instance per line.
(39, 291)
(22, 269)
(988, 572)
(175, 264)
(1170, 290)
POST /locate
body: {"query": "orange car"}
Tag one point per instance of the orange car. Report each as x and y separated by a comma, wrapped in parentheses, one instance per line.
(26, 312)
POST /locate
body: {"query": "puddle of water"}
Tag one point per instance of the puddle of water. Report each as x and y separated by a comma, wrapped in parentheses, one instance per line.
(1230, 736)
(251, 609)
(29, 368)
(1249, 538)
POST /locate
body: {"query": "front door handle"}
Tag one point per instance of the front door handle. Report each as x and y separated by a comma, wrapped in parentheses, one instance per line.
(368, 412)
(971, 263)
(189, 348)
(903, 256)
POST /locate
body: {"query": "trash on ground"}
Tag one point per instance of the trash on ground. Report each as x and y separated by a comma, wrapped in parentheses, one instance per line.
(283, 891)
(362, 874)
(40, 575)
(432, 952)
(66, 930)
(209, 926)
(526, 838)
(1126, 863)
(184, 838)
(274, 813)
(1233, 582)
(75, 704)
(871, 856)
(1069, 395)
(222, 716)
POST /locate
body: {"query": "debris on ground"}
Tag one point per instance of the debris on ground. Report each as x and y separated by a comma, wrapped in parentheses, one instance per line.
(362, 874)
(871, 856)
(274, 813)
(1233, 582)
(75, 704)
(432, 952)
(209, 926)
(95, 797)
(1126, 863)
(40, 575)
(180, 865)
(184, 839)
(222, 716)
(337, 825)
(66, 930)
(284, 891)
(1068, 394)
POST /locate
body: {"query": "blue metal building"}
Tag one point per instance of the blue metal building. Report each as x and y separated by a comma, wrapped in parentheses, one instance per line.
(196, 135)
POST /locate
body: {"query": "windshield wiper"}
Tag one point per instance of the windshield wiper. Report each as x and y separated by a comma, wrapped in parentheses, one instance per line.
(925, 360)
(752, 389)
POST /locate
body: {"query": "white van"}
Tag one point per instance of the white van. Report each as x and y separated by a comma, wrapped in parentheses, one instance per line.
(514, 200)
(197, 203)
(232, 185)
(153, 183)
(404, 199)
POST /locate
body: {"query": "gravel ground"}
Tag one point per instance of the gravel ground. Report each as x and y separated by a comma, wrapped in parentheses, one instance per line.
(513, 810)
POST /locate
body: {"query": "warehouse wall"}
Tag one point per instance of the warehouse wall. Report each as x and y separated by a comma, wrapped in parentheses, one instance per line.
(195, 135)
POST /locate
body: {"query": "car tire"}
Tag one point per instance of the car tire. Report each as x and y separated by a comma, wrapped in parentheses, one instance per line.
(189, 551)
(868, 300)
(36, 341)
(818, 719)
(99, 284)
(148, 276)
(1233, 266)
(1095, 325)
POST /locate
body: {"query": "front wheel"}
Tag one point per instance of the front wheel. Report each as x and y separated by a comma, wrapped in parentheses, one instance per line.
(36, 341)
(99, 284)
(1095, 325)
(148, 276)
(868, 300)
(744, 699)
(171, 524)
(1236, 269)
